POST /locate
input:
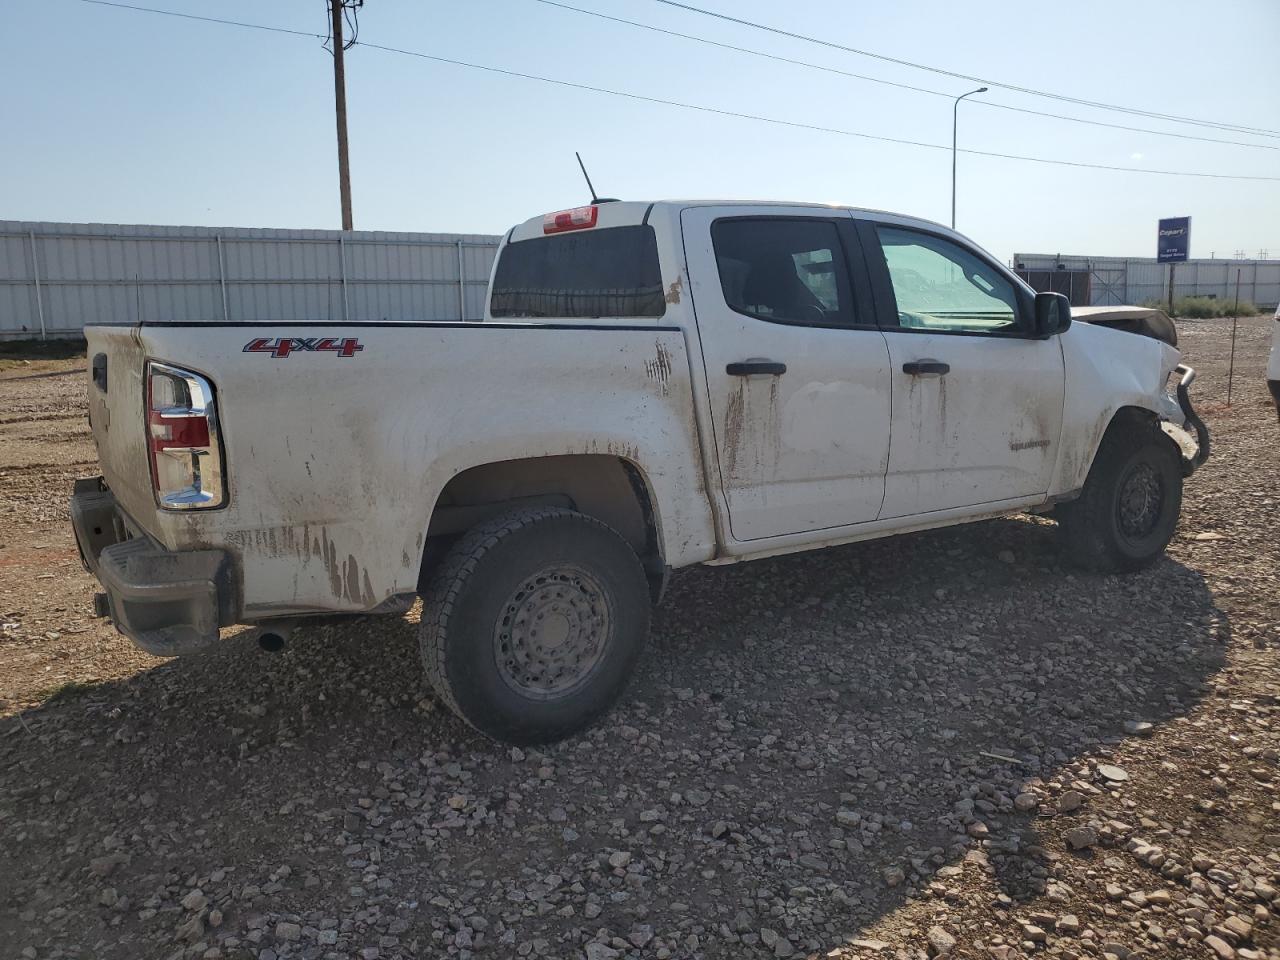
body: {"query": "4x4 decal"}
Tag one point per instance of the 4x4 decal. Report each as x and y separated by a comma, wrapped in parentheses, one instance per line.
(284, 346)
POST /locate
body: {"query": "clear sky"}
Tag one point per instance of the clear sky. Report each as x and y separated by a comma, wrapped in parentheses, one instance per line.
(118, 116)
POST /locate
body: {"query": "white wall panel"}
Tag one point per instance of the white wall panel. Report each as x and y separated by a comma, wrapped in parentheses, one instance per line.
(120, 272)
(1133, 280)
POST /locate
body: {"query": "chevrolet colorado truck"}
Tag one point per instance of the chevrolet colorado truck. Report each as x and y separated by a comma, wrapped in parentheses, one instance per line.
(653, 385)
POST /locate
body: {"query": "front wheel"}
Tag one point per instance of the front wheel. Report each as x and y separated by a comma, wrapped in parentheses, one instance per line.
(533, 624)
(1127, 512)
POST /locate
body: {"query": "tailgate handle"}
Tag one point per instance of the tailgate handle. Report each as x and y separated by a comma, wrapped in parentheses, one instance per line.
(919, 368)
(100, 371)
(756, 367)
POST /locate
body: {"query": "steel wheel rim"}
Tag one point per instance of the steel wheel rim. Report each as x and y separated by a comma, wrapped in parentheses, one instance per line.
(1141, 501)
(552, 633)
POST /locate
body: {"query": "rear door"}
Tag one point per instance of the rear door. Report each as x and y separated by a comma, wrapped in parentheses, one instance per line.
(798, 374)
(977, 396)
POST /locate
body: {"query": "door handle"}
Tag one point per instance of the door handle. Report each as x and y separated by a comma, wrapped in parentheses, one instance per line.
(919, 368)
(756, 367)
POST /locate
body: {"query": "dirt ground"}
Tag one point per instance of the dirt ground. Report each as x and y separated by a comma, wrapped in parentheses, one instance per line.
(940, 744)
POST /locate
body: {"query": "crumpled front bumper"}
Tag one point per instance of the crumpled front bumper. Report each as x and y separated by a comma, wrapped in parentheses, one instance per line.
(1190, 464)
(167, 602)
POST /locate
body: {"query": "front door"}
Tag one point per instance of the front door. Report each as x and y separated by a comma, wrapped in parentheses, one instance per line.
(797, 371)
(977, 396)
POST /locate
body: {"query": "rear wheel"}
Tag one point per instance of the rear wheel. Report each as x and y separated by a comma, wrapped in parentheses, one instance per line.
(1127, 512)
(533, 624)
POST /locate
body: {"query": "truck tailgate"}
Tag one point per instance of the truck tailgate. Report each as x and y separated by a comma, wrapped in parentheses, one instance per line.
(117, 399)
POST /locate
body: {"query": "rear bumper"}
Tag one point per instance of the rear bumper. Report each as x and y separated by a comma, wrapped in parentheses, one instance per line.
(1191, 464)
(167, 602)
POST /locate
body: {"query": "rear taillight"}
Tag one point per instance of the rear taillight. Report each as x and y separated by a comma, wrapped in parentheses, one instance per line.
(579, 218)
(182, 437)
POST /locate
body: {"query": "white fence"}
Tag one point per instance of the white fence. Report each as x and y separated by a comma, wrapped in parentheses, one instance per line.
(1107, 281)
(55, 277)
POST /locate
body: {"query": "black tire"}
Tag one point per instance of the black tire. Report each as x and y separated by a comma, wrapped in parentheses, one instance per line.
(1127, 512)
(540, 569)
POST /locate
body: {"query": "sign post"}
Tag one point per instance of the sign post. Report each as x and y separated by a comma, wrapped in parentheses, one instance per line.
(1235, 313)
(1173, 240)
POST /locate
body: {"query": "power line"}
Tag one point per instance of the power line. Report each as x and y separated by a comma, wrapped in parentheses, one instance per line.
(192, 16)
(701, 108)
(892, 83)
(807, 126)
(350, 16)
(1238, 128)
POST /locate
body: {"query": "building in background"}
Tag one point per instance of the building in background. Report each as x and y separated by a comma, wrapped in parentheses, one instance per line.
(1107, 281)
(56, 277)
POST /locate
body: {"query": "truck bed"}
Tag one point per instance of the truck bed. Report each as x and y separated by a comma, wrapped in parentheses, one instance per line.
(335, 458)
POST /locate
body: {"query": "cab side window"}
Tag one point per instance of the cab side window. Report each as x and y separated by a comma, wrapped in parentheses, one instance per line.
(784, 270)
(941, 287)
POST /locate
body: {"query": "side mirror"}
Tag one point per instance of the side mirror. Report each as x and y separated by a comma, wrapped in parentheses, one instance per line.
(1053, 314)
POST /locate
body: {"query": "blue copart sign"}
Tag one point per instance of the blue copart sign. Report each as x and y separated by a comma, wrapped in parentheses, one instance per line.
(1173, 240)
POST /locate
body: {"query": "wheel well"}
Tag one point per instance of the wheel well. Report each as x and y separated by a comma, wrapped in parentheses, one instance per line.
(609, 488)
(1131, 417)
(1081, 451)
(1134, 418)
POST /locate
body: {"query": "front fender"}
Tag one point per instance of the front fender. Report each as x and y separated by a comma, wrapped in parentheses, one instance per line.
(1106, 371)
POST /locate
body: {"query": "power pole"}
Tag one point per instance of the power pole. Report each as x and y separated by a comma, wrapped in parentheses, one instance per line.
(340, 108)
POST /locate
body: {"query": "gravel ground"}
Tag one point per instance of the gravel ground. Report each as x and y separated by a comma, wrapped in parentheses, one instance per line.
(939, 744)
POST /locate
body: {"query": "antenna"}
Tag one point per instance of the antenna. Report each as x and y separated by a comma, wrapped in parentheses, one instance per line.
(587, 177)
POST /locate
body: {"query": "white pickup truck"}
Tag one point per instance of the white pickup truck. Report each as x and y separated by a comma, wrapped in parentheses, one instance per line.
(653, 385)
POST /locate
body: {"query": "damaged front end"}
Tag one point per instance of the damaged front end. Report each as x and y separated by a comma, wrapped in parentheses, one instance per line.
(1174, 409)
(1186, 376)
(1178, 416)
(1144, 321)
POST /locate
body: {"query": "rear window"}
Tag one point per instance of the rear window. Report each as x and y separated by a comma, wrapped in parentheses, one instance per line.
(589, 273)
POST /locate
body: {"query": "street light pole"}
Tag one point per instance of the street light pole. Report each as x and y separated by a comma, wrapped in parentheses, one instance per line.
(955, 113)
